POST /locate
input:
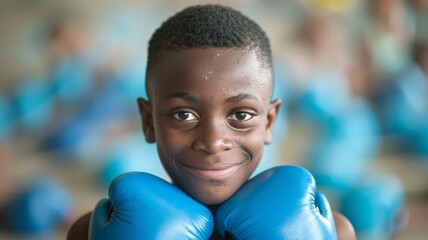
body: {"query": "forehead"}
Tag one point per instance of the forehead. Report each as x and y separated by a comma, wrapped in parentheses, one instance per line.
(206, 68)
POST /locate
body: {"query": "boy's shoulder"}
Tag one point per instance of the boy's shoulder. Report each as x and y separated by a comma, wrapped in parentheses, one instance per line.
(80, 228)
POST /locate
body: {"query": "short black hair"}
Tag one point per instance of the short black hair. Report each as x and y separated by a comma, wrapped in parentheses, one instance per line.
(210, 25)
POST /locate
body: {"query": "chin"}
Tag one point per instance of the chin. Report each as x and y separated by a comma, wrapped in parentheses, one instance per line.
(210, 197)
(210, 201)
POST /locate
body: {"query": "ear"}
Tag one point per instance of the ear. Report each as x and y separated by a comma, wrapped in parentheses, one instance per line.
(146, 114)
(273, 111)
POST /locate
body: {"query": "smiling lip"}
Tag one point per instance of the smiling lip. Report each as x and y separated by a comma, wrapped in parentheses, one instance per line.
(214, 173)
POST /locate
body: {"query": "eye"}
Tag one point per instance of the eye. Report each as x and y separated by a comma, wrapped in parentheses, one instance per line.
(184, 116)
(241, 116)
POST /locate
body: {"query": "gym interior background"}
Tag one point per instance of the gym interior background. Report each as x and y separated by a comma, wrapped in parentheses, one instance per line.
(353, 76)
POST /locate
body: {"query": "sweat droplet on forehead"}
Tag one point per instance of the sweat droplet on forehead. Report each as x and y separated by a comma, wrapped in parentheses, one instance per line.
(206, 75)
(198, 71)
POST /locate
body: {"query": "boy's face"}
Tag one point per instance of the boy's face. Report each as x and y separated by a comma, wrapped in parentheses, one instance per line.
(210, 114)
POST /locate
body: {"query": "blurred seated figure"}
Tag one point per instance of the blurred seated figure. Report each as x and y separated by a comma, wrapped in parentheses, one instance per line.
(73, 58)
(403, 106)
(387, 39)
(331, 101)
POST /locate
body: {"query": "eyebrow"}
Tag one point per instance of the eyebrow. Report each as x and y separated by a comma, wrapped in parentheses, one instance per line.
(241, 97)
(184, 96)
(234, 99)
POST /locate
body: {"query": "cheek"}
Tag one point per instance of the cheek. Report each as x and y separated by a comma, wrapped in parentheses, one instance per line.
(255, 143)
(170, 141)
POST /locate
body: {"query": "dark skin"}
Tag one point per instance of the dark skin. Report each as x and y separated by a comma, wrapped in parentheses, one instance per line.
(210, 123)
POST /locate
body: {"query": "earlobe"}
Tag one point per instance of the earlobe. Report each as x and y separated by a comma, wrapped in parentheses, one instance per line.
(146, 119)
(272, 114)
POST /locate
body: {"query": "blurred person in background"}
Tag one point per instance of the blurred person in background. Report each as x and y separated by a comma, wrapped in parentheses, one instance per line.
(387, 39)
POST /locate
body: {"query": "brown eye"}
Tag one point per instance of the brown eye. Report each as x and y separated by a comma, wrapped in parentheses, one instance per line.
(184, 116)
(242, 116)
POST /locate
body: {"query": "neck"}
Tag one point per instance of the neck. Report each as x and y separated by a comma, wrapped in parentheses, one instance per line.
(215, 235)
(212, 208)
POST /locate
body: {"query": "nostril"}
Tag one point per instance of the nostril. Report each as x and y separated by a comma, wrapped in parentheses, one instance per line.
(228, 147)
(225, 143)
(212, 145)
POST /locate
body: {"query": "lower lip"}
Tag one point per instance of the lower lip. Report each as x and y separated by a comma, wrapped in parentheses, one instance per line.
(213, 174)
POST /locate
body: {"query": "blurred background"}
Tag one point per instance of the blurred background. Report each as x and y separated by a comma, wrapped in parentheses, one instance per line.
(353, 76)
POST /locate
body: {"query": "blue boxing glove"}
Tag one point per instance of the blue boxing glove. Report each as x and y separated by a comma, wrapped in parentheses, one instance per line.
(142, 206)
(279, 203)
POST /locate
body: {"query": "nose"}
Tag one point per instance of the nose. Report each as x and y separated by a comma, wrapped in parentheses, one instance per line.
(213, 138)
